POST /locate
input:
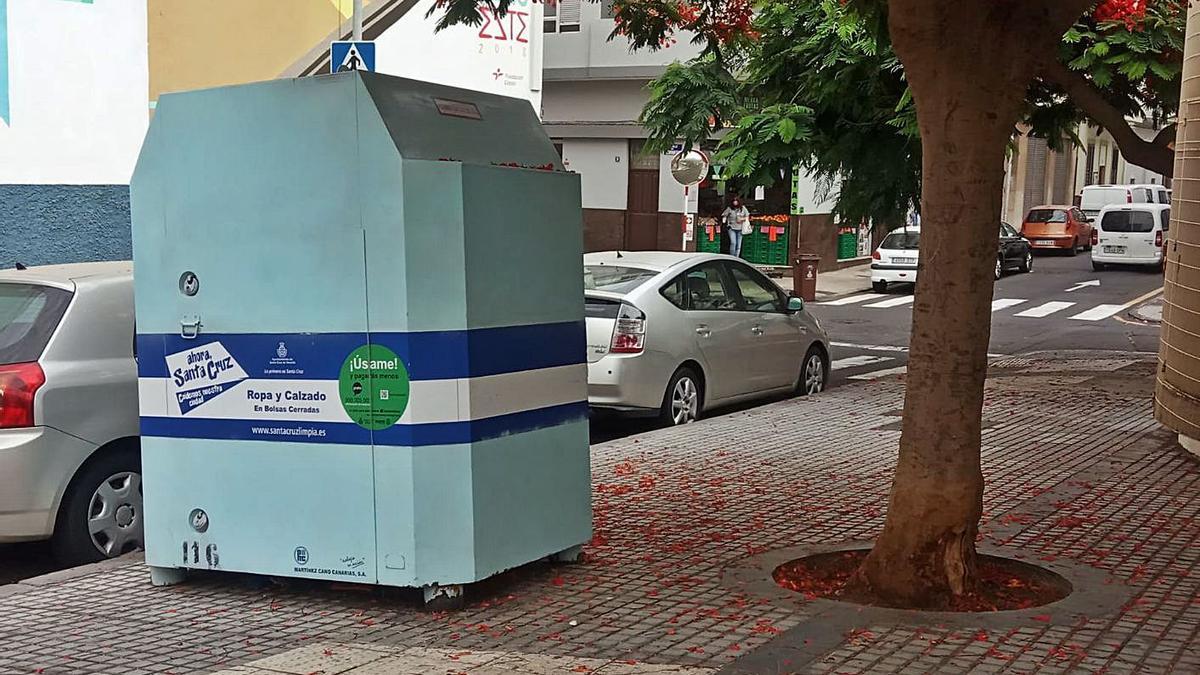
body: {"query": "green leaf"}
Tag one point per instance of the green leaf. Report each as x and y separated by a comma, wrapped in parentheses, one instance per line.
(1100, 49)
(787, 130)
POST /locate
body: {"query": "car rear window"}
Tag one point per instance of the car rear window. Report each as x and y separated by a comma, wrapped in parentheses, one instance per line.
(902, 241)
(1127, 221)
(28, 316)
(1047, 216)
(601, 308)
(614, 278)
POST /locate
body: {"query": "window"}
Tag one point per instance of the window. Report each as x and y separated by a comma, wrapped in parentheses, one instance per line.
(28, 316)
(901, 241)
(1164, 197)
(614, 278)
(1127, 221)
(676, 292)
(758, 295)
(707, 289)
(1166, 220)
(1046, 216)
(561, 16)
(1078, 215)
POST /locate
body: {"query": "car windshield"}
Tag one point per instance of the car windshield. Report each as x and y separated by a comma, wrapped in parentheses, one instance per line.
(1127, 221)
(1047, 216)
(614, 278)
(28, 316)
(902, 241)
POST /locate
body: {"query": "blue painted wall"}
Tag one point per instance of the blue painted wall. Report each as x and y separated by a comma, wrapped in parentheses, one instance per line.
(50, 224)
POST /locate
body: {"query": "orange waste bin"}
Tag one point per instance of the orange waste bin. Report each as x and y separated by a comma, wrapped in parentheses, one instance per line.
(804, 276)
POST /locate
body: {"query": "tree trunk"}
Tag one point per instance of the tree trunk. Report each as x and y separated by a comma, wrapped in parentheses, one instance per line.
(968, 63)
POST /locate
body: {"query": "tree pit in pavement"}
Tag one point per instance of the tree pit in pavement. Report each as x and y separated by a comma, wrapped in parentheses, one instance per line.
(1002, 584)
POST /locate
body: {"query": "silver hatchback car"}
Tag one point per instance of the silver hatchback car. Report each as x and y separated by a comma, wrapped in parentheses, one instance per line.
(675, 334)
(69, 453)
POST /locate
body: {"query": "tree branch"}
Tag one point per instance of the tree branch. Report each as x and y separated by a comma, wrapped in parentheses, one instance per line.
(1151, 155)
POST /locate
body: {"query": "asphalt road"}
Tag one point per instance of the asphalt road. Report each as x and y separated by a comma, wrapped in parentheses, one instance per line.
(1031, 312)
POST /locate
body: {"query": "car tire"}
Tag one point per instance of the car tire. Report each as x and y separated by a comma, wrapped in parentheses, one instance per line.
(999, 268)
(1074, 247)
(1097, 266)
(879, 286)
(1027, 262)
(814, 372)
(107, 493)
(683, 400)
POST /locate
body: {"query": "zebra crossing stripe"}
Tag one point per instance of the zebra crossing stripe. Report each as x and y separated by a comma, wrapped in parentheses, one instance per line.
(856, 361)
(1045, 310)
(848, 300)
(1098, 312)
(893, 302)
(1008, 302)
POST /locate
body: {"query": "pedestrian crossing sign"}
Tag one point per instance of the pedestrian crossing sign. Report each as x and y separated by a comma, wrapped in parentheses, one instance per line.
(347, 55)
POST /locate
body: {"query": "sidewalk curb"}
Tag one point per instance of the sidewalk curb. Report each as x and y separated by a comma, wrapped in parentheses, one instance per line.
(53, 578)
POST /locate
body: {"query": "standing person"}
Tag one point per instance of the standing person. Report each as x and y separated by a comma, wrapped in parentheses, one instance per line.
(736, 219)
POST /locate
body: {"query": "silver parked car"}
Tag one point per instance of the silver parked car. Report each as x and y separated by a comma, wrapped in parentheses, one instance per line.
(675, 334)
(69, 453)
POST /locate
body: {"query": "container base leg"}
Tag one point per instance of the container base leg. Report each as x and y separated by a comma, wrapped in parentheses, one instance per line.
(441, 598)
(569, 555)
(167, 576)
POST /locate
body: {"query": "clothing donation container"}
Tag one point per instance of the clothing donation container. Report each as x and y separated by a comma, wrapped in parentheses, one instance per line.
(360, 334)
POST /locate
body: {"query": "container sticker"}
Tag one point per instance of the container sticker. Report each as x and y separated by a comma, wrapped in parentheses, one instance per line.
(374, 387)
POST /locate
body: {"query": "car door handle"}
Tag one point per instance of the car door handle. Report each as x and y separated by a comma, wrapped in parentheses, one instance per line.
(703, 331)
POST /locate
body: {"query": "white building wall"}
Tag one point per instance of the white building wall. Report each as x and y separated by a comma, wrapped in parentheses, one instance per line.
(591, 48)
(603, 168)
(78, 86)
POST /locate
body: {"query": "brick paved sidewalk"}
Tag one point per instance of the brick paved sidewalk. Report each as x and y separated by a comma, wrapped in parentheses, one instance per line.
(1080, 478)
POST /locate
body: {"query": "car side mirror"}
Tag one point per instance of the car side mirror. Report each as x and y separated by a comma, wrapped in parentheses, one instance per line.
(795, 305)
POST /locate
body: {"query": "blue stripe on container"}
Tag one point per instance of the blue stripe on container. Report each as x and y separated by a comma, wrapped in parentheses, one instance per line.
(433, 355)
(400, 435)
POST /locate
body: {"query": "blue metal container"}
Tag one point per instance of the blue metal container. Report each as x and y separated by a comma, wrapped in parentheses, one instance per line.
(360, 334)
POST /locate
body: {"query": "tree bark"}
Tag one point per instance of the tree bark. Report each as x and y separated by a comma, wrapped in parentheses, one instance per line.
(968, 63)
(1155, 155)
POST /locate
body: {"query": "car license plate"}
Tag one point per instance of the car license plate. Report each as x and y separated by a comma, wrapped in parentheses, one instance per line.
(1044, 242)
(905, 261)
(1114, 249)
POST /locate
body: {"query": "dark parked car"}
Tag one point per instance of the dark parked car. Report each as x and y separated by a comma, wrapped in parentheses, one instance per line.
(1015, 254)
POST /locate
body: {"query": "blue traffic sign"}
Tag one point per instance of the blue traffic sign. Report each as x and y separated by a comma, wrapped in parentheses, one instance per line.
(347, 55)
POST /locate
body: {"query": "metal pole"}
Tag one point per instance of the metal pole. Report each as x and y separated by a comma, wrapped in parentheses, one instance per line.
(356, 19)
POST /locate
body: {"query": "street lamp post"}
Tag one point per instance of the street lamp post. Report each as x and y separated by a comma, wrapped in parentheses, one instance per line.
(356, 20)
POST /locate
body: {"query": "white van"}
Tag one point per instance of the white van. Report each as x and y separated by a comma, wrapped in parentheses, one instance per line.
(1131, 234)
(1154, 193)
(1095, 197)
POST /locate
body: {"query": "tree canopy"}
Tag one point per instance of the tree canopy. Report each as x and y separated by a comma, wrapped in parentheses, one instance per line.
(815, 83)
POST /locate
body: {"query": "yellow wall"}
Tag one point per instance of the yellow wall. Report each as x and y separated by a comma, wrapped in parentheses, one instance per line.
(207, 43)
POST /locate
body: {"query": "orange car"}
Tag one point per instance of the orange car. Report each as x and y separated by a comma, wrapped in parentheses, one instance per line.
(1057, 228)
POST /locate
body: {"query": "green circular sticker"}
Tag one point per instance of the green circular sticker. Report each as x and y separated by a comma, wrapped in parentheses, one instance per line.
(374, 387)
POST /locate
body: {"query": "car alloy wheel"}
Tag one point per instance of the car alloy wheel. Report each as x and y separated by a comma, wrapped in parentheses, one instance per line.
(999, 269)
(1027, 266)
(814, 374)
(114, 518)
(685, 401)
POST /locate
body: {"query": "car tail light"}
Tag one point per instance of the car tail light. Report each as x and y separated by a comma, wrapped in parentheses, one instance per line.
(1158, 239)
(1095, 236)
(18, 384)
(1128, 197)
(876, 256)
(629, 335)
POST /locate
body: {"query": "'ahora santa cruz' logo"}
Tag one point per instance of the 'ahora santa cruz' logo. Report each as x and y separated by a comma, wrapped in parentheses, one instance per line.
(201, 373)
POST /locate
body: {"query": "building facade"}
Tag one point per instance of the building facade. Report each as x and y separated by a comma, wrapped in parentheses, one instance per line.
(79, 81)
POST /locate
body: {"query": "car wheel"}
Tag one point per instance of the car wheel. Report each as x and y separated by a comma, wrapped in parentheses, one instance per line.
(814, 372)
(999, 269)
(879, 286)
(101, 515)
(1097, 266)
(681, 404)
(1027, 262)
(1074, 247)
